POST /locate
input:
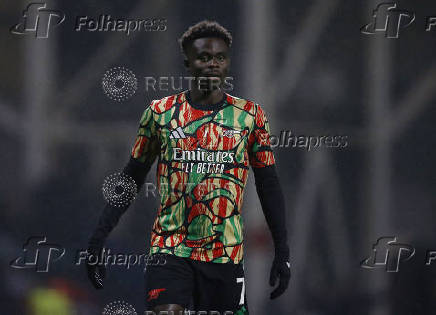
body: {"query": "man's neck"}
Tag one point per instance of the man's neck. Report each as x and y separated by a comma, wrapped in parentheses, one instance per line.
(206, 97)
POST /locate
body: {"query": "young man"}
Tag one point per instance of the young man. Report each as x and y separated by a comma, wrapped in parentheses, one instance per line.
(205, 140)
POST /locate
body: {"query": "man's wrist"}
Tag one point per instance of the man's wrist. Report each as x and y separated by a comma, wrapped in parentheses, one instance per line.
(282, 251)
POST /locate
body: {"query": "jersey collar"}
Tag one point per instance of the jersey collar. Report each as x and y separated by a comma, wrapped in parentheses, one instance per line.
(205, 106)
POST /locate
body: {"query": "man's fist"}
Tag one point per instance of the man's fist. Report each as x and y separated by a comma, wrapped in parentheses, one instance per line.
(281, 268)
(96, 271)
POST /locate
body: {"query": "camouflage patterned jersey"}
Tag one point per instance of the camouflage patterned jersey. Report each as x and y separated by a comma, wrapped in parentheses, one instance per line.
(204, 153)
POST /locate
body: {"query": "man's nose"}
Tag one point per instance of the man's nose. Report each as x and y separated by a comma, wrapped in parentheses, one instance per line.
(213, 62)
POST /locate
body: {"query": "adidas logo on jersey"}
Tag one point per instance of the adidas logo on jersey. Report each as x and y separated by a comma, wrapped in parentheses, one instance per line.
(178, 134)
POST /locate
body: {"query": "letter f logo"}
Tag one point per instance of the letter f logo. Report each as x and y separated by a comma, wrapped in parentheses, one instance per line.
(387, 19)
(37, 19)
(388, 253)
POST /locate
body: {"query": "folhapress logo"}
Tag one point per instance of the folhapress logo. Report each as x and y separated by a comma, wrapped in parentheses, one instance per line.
(38, 19)
(389, 20)
(388, 254)
(38, 254)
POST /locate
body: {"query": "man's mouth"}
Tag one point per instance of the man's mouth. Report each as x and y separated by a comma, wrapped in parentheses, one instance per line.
(212, 74)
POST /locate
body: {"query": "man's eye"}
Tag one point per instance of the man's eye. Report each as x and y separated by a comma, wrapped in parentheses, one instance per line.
(221, 58)
(204, 58)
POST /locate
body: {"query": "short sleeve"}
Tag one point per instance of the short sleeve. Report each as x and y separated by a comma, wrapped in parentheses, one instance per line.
(146, 146)
(259, 150)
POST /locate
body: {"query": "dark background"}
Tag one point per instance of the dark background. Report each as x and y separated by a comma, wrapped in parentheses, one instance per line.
(313, 72)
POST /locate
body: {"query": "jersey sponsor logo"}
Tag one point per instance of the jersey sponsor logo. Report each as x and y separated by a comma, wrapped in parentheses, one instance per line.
(154, 294)
(230, 133)
(203, 156)
(203, 162)
(177, 134)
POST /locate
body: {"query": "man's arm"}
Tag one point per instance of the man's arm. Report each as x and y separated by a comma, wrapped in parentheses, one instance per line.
(109, 219)
(271, 198)
(144, 152)
(111, 214)
(273, 206)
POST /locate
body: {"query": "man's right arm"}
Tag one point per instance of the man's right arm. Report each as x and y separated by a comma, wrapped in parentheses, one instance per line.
(112, 214)
(144, 153)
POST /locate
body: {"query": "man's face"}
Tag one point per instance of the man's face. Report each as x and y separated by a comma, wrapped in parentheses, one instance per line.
(208, 57)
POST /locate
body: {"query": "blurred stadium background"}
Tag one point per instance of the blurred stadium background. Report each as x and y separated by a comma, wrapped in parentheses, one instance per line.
(313, 72)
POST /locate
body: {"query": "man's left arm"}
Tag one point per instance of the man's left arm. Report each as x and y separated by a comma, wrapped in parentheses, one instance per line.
(271, 198)
(273, 206)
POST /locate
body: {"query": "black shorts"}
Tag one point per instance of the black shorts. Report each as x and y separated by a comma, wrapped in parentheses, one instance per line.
(212, 288)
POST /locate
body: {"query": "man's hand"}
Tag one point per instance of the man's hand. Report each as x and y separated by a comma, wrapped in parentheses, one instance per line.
(96, 271)
(281, 268)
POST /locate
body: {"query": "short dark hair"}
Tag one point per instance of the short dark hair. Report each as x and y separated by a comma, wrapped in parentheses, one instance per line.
(205, 28)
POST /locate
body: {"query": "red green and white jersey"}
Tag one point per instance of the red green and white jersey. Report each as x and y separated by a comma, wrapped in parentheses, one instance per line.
(204, 154)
